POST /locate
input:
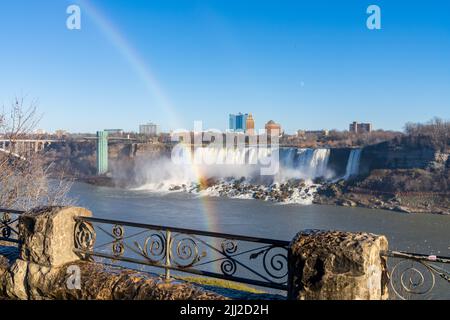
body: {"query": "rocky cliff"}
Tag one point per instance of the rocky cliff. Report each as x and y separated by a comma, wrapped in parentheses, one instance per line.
(77, 159)
(338, 161)
(392, 155)
(409, 174)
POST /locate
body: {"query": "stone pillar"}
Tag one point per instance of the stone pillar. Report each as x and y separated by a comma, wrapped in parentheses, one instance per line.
(47, 235)
(46, 238)
(334, 265)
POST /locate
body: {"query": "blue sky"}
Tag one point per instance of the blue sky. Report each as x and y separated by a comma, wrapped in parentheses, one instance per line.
(305, 64)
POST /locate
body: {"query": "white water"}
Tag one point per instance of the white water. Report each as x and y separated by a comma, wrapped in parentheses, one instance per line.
(353, 164)
(229, 163)
(297, 193)
(221, 168)
(313, 162)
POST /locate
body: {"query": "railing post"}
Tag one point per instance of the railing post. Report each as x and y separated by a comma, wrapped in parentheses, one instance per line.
(168, 250)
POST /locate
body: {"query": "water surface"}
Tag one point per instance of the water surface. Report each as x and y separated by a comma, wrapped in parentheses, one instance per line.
(424, 233)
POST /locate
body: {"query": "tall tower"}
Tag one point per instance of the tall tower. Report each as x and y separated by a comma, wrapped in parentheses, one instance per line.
(238, 122)
(102, 152)
(232, 125)
(250, 125)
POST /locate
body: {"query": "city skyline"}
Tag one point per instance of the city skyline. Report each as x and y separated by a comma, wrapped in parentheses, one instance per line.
(305, 66)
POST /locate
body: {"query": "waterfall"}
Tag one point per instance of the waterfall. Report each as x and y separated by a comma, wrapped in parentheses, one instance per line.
(307, 163)
(353, 163)
(294, 162)
(234, 163)
(319, 162)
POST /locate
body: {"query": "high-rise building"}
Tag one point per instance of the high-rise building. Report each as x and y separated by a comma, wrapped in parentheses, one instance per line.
(232, 123)
(149, 129)
(365, 127)
(356, 127)
(238, 122)
(272, 126)
(250, 124)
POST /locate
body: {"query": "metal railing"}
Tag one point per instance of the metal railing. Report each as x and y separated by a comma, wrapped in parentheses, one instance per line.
(415, 276)
(251, 260)
(255, 261)
(9, 225)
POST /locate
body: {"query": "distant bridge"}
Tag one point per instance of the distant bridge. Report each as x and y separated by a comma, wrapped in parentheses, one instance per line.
(23, 148)
(110, 138)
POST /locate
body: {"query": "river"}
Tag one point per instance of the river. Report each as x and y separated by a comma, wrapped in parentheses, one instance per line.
(424, 233)
(420, 233)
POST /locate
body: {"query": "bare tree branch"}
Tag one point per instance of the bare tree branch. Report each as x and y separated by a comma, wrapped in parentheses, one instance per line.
(24, 176)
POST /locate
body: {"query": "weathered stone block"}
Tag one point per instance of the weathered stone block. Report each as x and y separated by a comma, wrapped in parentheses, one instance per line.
(338, 266)
(47, 235)
(40, 280)
(100, 282)
(4, 267)
(15, 280)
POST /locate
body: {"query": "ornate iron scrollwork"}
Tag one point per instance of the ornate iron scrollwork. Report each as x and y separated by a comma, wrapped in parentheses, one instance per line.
(410, 279)
(184, 251)
(4, 225)
(211, 254)
(118, 232)
(6, 218)
(228, 267)
(85, 237)
(118, 248)
(154, 247)
(229, 246)
(416, 276)
(275, 262)
(6, 232)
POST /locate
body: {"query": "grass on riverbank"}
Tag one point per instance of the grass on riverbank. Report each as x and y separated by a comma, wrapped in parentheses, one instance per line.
(220, 283)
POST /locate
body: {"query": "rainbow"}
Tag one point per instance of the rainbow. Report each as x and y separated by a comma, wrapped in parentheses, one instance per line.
(133, 58)
(143, 70)
(210, 216)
